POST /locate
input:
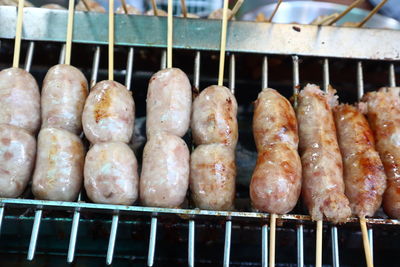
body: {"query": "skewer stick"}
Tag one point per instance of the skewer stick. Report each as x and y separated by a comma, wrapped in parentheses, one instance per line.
(154, 6)
(86, 5)
(373, 12)
(318, 256)
(18, 33)
(367, 249)
(124, 6)
(223, 43)
(236, 8)
(70, 27)
(184, 8)
(272, 240)
(276, 9)
(347, 10)
(169, 34)
(111, 40)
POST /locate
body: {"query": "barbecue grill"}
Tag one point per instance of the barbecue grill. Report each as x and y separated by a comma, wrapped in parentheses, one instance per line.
(282, 56)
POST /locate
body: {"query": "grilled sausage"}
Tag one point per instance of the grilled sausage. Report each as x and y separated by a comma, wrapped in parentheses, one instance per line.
(59, 165)
(169, 100)
(109, 113)
(131, 10)
(364, 175)
(19, 99)
(110, 174)
(276, 182)
(323, 186)
(218, 13)
(212, 177)
(165, 171)
(93, 6)
(17, 154)
(160, 13)
(383, 113)
(64, 92)
(214, 117)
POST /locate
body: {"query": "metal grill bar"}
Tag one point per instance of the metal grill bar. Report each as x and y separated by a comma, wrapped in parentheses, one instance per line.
(129, 68)
(72, 239)
(35, 233)
(227, 247)
(191, 243)
(232, 73)
(300, 248)
(95, 66)
(163, 63)
(61, 59)
(264, 252)
(29, 56)
(392, 76)
(152, 243)
(264, 81)
(326, 74)
(371, 241)
(111, 242)
(360, 80)
(1, 216)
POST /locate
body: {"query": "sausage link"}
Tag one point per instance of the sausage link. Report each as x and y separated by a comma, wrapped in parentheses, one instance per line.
(323, 186)
(17, 154)
(212, 177)
(276, 182)
(59, 165)
(214, 117)
(165, 171)
(110, 174)
(19, 99)
(64, 92)
(364, 175)
(169, 100)
(383, 113)
(109, 113)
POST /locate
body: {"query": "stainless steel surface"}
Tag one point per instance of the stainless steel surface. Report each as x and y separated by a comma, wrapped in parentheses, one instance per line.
(392, 77)
(326, 74)
(335, 247)
(232, 73)
(111, 242)
(243, 36)
(191, 243)
(129, 68)
(163, 63)
(304, 12)
(61, 60)
(152, 243)
(264, 245)
(95, 66)
(1, 216)
(360, 80)
(35, 233)
(196, 71)
(300, 246)
(296, 78)
(264, 76)
(72, 239)
(371, 242)
(29, 56)
(227, 246)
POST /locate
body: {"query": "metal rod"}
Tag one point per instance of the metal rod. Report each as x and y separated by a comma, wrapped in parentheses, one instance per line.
(62, 55)
(191, 244)
(95, 66)
(196, 74)
(300, 246)
(264, 79)
(326, 74)
(264, 253)
(1, 215)
(72, 239)
(296, 79)
(371, 242)
(29, 56)
(111, 241)
(35, 233)
(152, 243)
(360, 80)
(232, 73)
(392, 76)
(335, 247)
(227, 247)
(163, 59)
(129, 68)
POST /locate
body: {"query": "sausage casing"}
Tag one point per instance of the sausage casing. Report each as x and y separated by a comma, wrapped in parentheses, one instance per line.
(59, 165)
(276, 182)
(17, 154)
(110, 174)
(322, 168)
(364, 175)
(214, 117)
(109, 113)
(19, 99)
(64, 92)
(165, 171)
(212, 177)
(169, 100)
(383, 113)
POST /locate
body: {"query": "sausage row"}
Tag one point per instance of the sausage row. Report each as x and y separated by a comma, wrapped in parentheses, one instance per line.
(343, 170)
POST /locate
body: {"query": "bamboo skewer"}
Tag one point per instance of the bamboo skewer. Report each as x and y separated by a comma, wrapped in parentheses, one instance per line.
(373, 12)
(111, 40)
(184, 8)
(272, 240)
(367, 249)
(154, 6)
(223, 44)
(347, 10)
(170, 31)
(275, 10)
(70, 26)
(318, 251)
(124, 6)
(18, 33)
(236, 8)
